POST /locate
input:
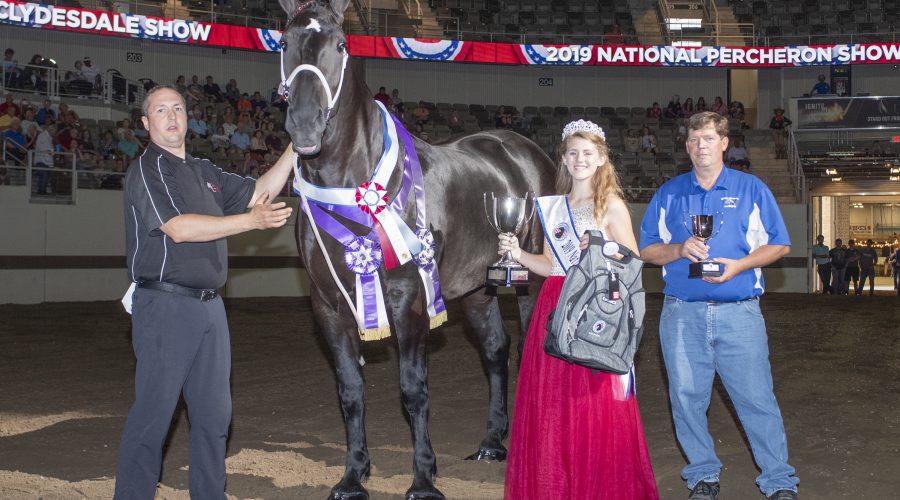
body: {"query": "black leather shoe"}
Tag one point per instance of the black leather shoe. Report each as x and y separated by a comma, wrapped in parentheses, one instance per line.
(705, 491)
(783, 495)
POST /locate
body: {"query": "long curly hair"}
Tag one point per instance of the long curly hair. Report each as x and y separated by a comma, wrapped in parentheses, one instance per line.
(604, 183)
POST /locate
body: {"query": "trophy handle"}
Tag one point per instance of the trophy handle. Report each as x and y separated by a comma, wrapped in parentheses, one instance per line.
(492, 205)
(717, 226)
(530, 196)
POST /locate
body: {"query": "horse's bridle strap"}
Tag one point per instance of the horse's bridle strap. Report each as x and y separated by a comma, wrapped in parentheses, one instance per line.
(332, 98)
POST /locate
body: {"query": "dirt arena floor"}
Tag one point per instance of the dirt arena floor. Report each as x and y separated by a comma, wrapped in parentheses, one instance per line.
(66, 386)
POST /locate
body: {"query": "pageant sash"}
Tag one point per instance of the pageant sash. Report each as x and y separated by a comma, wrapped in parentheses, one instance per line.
(559, 229)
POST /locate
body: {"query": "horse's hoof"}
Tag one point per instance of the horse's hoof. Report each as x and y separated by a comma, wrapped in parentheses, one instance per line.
(429, 493)
(489, 454)
(344, 492)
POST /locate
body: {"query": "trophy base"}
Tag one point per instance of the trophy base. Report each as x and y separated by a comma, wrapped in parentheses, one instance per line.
(705, 269)
(506, 276)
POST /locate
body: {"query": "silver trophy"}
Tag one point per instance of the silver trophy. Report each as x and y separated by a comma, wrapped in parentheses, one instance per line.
(704, 227)
(507, 215)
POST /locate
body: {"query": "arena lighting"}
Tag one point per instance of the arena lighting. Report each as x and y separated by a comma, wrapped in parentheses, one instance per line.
(687, 43)
(837, 179)
(830, 171)
(895, 178)
(895, 170)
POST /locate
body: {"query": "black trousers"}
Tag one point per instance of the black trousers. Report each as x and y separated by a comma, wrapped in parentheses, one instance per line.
(182, 345)
(866, 272)
(825, 277)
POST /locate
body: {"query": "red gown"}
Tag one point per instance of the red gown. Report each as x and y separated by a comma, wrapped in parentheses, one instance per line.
(574, 432)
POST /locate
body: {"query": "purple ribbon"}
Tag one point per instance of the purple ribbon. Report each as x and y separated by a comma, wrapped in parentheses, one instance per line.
(369, 283)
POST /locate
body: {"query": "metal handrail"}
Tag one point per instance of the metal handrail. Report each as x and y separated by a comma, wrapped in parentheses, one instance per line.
(54, 88)
(795, 165)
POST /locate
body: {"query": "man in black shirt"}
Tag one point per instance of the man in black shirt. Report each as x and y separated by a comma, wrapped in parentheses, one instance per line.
(868, 257)
(838, 266)
(852, 272)
(178, 212)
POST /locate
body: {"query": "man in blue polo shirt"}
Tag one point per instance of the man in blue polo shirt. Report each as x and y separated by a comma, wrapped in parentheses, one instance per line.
(714, 324)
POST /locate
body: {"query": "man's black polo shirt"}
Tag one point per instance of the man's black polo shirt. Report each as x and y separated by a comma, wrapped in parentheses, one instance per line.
(160, 186)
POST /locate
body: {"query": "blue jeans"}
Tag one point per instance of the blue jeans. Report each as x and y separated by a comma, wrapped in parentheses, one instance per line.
(699, 340)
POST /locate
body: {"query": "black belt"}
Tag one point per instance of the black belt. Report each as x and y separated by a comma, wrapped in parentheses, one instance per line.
(197, 293)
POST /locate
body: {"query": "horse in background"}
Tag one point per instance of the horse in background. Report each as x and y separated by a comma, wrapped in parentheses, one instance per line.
(339, 133)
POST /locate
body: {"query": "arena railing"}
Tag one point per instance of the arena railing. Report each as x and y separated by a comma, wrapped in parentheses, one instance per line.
(50, 81)
(796, 167)
(65, 177)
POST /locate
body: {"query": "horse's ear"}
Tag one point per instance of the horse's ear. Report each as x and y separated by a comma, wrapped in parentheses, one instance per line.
(338, 7)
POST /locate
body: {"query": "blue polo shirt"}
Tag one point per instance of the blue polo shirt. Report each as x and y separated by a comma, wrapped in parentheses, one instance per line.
(751, 219)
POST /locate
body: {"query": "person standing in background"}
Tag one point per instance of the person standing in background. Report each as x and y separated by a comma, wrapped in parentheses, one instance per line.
(823, 263)
(868, 257)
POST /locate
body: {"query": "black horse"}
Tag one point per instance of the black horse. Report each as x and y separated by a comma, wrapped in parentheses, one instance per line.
(336, 128)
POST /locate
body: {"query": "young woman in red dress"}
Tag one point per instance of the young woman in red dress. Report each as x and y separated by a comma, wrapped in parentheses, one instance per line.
(576, 433)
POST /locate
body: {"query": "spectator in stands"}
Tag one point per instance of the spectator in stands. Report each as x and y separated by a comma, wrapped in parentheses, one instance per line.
(65, 133)
(503, 118)
(180, 85)
(687, 109)
(197, 124)
(245, 120)
(399, 107)
(249, 165)
(14, 142)
(821, 87)
(76, 82)
(383, 98)
(737, 157)
(209, 114)
(614, 36)
(240, 139)
(10, 103)
(258, 102)
(421, 115)
(212, 90)
(29, 126)
(258, 143)
(228, 126)
(7, 118)
(43, 157)
(114, 180)
(736, 110)
(108, 146)
(45, 112)
(273, 142)
(719, 107)
(11, 71)
(128, 146)
(195, 90)
(779, 124)
(243, 103)
(91, 74)
(673, 110)
(632, 141)
(220, 140)
(123, 125)
(232, 93)
(84, 159)
(88, 145)
(681, 134)
(455, 122)
(654, 111)
(701, 105)
(648, 140)
(33, 74)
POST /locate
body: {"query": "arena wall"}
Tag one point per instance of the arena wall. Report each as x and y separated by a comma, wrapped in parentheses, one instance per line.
(55, 253)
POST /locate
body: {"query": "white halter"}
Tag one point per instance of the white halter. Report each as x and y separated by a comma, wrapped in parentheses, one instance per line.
(284, 88)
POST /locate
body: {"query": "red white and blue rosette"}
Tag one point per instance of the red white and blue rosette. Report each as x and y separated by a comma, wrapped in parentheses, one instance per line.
(371, 197)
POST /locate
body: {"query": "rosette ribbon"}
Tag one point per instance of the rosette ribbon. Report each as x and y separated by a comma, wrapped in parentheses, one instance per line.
(391, 241)
(363, 257)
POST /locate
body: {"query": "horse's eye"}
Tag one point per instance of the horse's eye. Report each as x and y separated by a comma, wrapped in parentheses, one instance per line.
(342, 46)
(283, 45)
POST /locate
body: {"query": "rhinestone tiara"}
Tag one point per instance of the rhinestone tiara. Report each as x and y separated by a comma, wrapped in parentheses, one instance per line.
(583, 126)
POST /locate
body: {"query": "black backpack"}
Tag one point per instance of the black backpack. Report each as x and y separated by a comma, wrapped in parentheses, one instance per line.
(598, 321)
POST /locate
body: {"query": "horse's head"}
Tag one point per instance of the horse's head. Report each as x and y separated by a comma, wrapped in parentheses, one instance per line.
(313, 62)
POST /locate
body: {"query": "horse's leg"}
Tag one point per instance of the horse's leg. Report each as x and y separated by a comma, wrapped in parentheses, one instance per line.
(526, 307)
(483, 313)
(411, 328)
(344, 342)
